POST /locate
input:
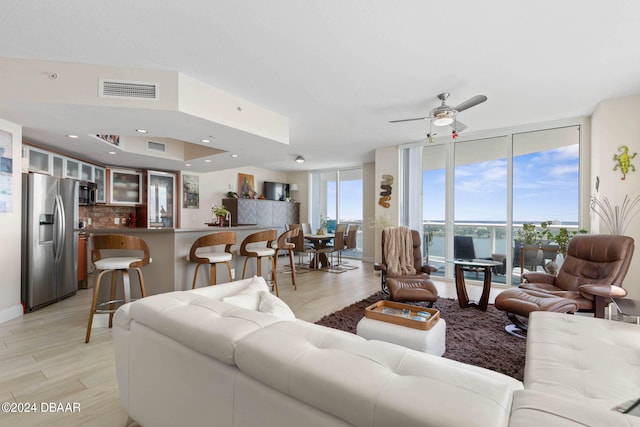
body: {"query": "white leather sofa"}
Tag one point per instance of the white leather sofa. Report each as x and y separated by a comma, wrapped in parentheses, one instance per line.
(193, 358)
(234, 355)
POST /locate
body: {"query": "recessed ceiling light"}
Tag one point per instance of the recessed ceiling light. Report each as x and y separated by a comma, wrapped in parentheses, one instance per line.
(234, 156)
(187, 164)
(73, 136)
(111, 152)
(300, 159)
(207, 161)
(141, 130)
(205, 140)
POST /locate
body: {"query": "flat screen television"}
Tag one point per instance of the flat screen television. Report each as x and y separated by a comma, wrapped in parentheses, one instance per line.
(275, 190)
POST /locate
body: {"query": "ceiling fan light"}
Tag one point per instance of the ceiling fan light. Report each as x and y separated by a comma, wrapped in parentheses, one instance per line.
(299, 159)
(443, 121)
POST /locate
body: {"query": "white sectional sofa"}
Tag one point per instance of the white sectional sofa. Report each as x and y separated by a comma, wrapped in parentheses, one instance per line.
(234, 355)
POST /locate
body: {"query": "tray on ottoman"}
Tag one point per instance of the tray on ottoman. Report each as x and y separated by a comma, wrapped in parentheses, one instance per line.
(382, 310)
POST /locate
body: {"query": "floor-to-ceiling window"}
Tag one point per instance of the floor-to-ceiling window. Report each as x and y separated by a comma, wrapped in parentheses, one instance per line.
(337, 199)
(482, 190)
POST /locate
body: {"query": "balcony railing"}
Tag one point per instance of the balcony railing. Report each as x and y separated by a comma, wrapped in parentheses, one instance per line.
(489, 241)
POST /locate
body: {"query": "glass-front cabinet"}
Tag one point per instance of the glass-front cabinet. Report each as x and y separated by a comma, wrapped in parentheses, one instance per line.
(99, 178)
(126, 187)
(39, 160)
(71, 168)
(161, 199)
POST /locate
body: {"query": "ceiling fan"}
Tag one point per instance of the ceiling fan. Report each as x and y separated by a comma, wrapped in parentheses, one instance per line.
(443, 115)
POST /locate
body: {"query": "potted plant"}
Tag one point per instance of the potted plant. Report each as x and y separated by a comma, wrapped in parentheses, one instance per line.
(562, 238)
(220, 212)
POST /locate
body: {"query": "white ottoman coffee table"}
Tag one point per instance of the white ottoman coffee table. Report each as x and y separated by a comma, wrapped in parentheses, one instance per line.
(431, 341)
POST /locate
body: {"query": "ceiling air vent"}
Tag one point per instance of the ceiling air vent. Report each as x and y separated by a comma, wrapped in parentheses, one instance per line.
(128, 89)
(156, 146)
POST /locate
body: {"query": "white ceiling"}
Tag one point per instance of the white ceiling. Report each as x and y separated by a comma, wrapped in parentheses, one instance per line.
(339, 70)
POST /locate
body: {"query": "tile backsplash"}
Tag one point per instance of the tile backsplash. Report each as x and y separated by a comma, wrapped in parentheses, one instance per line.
(103, 216)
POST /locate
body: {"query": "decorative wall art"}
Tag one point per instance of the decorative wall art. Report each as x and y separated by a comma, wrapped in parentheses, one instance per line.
(111, 139)
(385, 194)
(190, 191)
(6, 172)
(623, 161)
(245, 186)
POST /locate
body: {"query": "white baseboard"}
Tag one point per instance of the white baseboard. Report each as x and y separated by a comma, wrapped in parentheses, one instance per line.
(11, 313)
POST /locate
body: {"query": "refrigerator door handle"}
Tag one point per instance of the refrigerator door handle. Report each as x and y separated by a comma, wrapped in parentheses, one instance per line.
(60, 229)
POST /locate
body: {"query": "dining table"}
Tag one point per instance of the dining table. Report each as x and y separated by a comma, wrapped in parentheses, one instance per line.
(320, 242)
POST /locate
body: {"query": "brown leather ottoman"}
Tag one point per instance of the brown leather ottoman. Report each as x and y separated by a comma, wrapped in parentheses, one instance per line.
(412, 290)
(521, 302)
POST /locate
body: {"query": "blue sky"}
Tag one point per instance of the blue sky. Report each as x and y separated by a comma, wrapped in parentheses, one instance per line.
(350, 200)
(545, 187)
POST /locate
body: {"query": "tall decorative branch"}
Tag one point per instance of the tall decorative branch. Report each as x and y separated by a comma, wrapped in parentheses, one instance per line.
(615, 217)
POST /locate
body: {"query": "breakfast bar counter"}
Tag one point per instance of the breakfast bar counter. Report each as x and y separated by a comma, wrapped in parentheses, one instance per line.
(169, 269)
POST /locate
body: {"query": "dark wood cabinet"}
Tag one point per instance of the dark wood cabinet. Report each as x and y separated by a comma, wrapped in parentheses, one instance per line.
(82, 261)
(264, 213)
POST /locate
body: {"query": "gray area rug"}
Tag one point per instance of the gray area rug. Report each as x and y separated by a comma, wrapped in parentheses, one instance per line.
(473, 336)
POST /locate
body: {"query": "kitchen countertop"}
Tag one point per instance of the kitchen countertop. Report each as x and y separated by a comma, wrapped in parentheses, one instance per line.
(124, 230)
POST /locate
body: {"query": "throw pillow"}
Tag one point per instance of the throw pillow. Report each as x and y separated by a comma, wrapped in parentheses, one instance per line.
(249, 297)
(273, 305)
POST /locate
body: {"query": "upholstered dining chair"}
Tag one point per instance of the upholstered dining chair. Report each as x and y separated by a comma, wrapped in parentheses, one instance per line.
(302, 247)
(113, 253)
(203, 251)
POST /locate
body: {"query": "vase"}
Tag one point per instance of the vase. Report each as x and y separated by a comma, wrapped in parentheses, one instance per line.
(221, 221)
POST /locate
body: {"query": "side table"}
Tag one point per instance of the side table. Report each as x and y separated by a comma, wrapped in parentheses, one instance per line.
(461, 289)
(627, 307)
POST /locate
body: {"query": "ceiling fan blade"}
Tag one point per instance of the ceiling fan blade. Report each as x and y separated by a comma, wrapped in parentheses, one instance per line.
(408, 120)
(471, 102)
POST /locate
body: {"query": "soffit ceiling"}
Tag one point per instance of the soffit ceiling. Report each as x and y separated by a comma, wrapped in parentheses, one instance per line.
(339, 71)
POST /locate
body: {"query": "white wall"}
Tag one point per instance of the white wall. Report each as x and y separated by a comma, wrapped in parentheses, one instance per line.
(10, 224)
(387, 163)
(613, 124)
(214, 187)
(369, 201)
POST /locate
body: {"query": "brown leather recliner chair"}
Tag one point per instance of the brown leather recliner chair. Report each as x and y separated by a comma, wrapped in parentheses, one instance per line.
(592, 273)
(407, 287)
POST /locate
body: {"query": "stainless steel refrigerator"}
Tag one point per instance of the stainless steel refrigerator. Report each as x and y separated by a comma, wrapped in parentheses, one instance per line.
(49, 243)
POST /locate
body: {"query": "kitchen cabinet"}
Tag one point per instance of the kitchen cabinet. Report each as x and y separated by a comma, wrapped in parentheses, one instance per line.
(82, 261)
(86, 172)
(57, 166)
(39, 160)
(161, 199)
(99, 177)
(126, 187)
(265, 213)
(71, 168)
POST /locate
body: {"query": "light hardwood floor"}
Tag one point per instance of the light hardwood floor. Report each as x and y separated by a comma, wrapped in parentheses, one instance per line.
(43, 357)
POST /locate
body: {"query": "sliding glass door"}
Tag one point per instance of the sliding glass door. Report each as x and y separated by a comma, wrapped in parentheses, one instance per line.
(477, 193)
(337, 198)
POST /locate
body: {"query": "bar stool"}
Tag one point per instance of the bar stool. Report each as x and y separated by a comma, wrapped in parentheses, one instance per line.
(136, 255)
(211, 256)
(285, 244)
(259, 245)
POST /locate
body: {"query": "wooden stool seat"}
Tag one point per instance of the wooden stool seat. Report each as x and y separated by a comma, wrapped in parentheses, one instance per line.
(203, 252)
(113, 265)
(260, 245)
(284, 244)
